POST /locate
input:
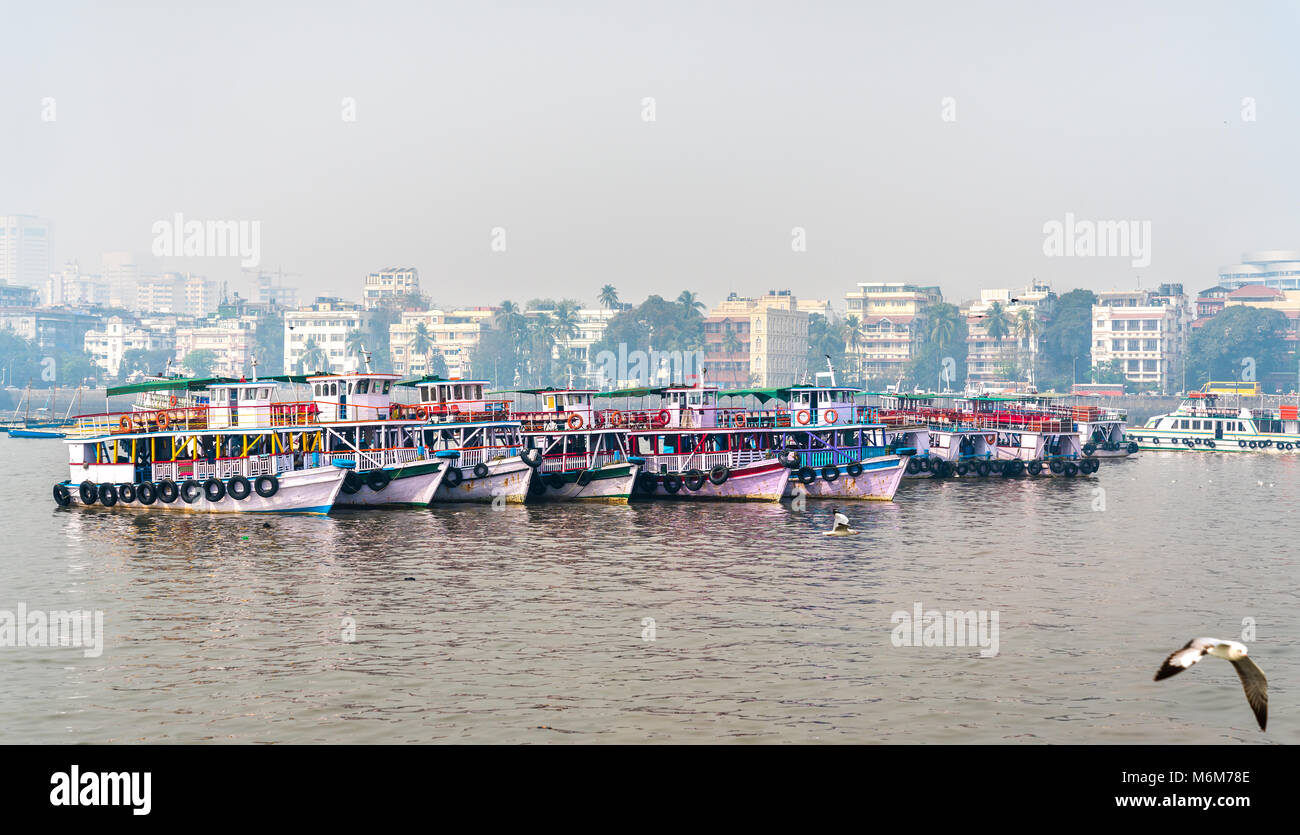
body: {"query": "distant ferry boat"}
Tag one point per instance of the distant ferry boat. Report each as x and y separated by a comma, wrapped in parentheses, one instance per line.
(1201, 424)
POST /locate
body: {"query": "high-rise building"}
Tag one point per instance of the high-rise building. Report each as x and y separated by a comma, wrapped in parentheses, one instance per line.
(70, 287)
(390, 283)
(761, 341)
(1146, 331)
(269, 289)
(319, 333)
(120, 271)
(26, 250)
(891, 326)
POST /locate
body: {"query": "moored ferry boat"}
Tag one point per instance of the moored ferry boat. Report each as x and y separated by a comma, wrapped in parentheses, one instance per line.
(950, 448)
(391, 466)
(486, 454)
(583, 449)
(1102, 430)
(214, 459)
(1201, 424)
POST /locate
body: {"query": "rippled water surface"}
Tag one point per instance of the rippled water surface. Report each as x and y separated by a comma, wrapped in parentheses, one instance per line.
(525, 624)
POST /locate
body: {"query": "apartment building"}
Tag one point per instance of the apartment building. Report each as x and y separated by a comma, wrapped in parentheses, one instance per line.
(390, 283)
(109, 343)
(992, 351)
(759, 341)
(319, 333)
(231, 341)
(1146, 331)
(891, 325)
(454, 334)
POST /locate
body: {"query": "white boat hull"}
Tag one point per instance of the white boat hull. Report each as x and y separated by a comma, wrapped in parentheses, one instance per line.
(612, 483)
(311, 491)
(878, 481)
(507, 478)
(413, 484)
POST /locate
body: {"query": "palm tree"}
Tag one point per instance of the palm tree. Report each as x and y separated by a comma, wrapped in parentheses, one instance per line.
(354, 344)
(997, 324)
(313, 358)
(1026, 330)
(608, 297)
(853, 339)
(731, 343)
(691, 302)
(511, 319)
(421, 344)
(943, 325)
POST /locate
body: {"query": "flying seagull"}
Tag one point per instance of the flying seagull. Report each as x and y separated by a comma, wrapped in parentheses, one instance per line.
(841, 525)
(1252, 677)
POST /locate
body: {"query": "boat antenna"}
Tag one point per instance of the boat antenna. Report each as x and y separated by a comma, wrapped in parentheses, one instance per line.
(254, 369)
(831, 368)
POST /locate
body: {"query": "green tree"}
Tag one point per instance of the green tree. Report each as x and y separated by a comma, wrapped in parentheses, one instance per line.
(997, 324)
(943, 346)
(608, 297)
(143, 361)
(1066, 343)
(199, 362)
(1240, 343)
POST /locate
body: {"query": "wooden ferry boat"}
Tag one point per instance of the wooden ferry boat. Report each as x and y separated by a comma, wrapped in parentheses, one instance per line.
(583, 449)
(488, 459)
(212, 459)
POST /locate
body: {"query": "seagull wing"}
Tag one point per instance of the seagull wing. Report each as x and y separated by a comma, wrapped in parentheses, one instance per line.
(1185, 657)
(1256, 687)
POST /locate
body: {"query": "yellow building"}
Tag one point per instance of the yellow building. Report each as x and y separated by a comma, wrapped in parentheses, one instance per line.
(761, 341)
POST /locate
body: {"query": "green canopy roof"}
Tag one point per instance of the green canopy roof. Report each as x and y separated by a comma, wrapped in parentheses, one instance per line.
(415, 381)
(175, 384)
(763, 395)
(546, 390)
(639, 392)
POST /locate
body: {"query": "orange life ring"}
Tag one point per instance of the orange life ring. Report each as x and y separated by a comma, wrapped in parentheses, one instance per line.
(615, 419)
(803, 417)
(662, 418)
(125, 423)
(171, 401)
(161, 417)
(738, 420)
(574, 421)
(422, 412)
(830, 416)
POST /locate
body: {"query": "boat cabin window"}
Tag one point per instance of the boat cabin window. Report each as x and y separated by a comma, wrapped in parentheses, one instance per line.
(363, 387)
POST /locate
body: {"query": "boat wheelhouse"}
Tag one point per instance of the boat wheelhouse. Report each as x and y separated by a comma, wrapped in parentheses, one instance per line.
(1028, 440)
(487, 457)
(583, 449)
(1202, 424)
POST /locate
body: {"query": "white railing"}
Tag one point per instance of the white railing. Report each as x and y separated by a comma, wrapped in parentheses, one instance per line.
(577, 461)
(688, 461)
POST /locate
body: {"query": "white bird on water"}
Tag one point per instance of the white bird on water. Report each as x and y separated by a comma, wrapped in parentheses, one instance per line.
(1252, 677)
(841, 525)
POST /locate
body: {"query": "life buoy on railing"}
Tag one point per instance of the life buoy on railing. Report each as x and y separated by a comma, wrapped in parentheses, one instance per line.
(830, 416)
(662, 418)
(171, 401)
(422, 412)
(738, 420)
(574, 421)
(162, 421)
(614, 418)
(803, 417)
(125, 423)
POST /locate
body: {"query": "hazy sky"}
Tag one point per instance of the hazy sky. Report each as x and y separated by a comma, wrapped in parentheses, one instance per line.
(768, 116)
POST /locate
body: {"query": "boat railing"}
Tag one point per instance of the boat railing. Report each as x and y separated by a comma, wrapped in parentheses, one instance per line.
(681, 462)
(278, 414)
(476, 412)
(570, 461)
(200, 469)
